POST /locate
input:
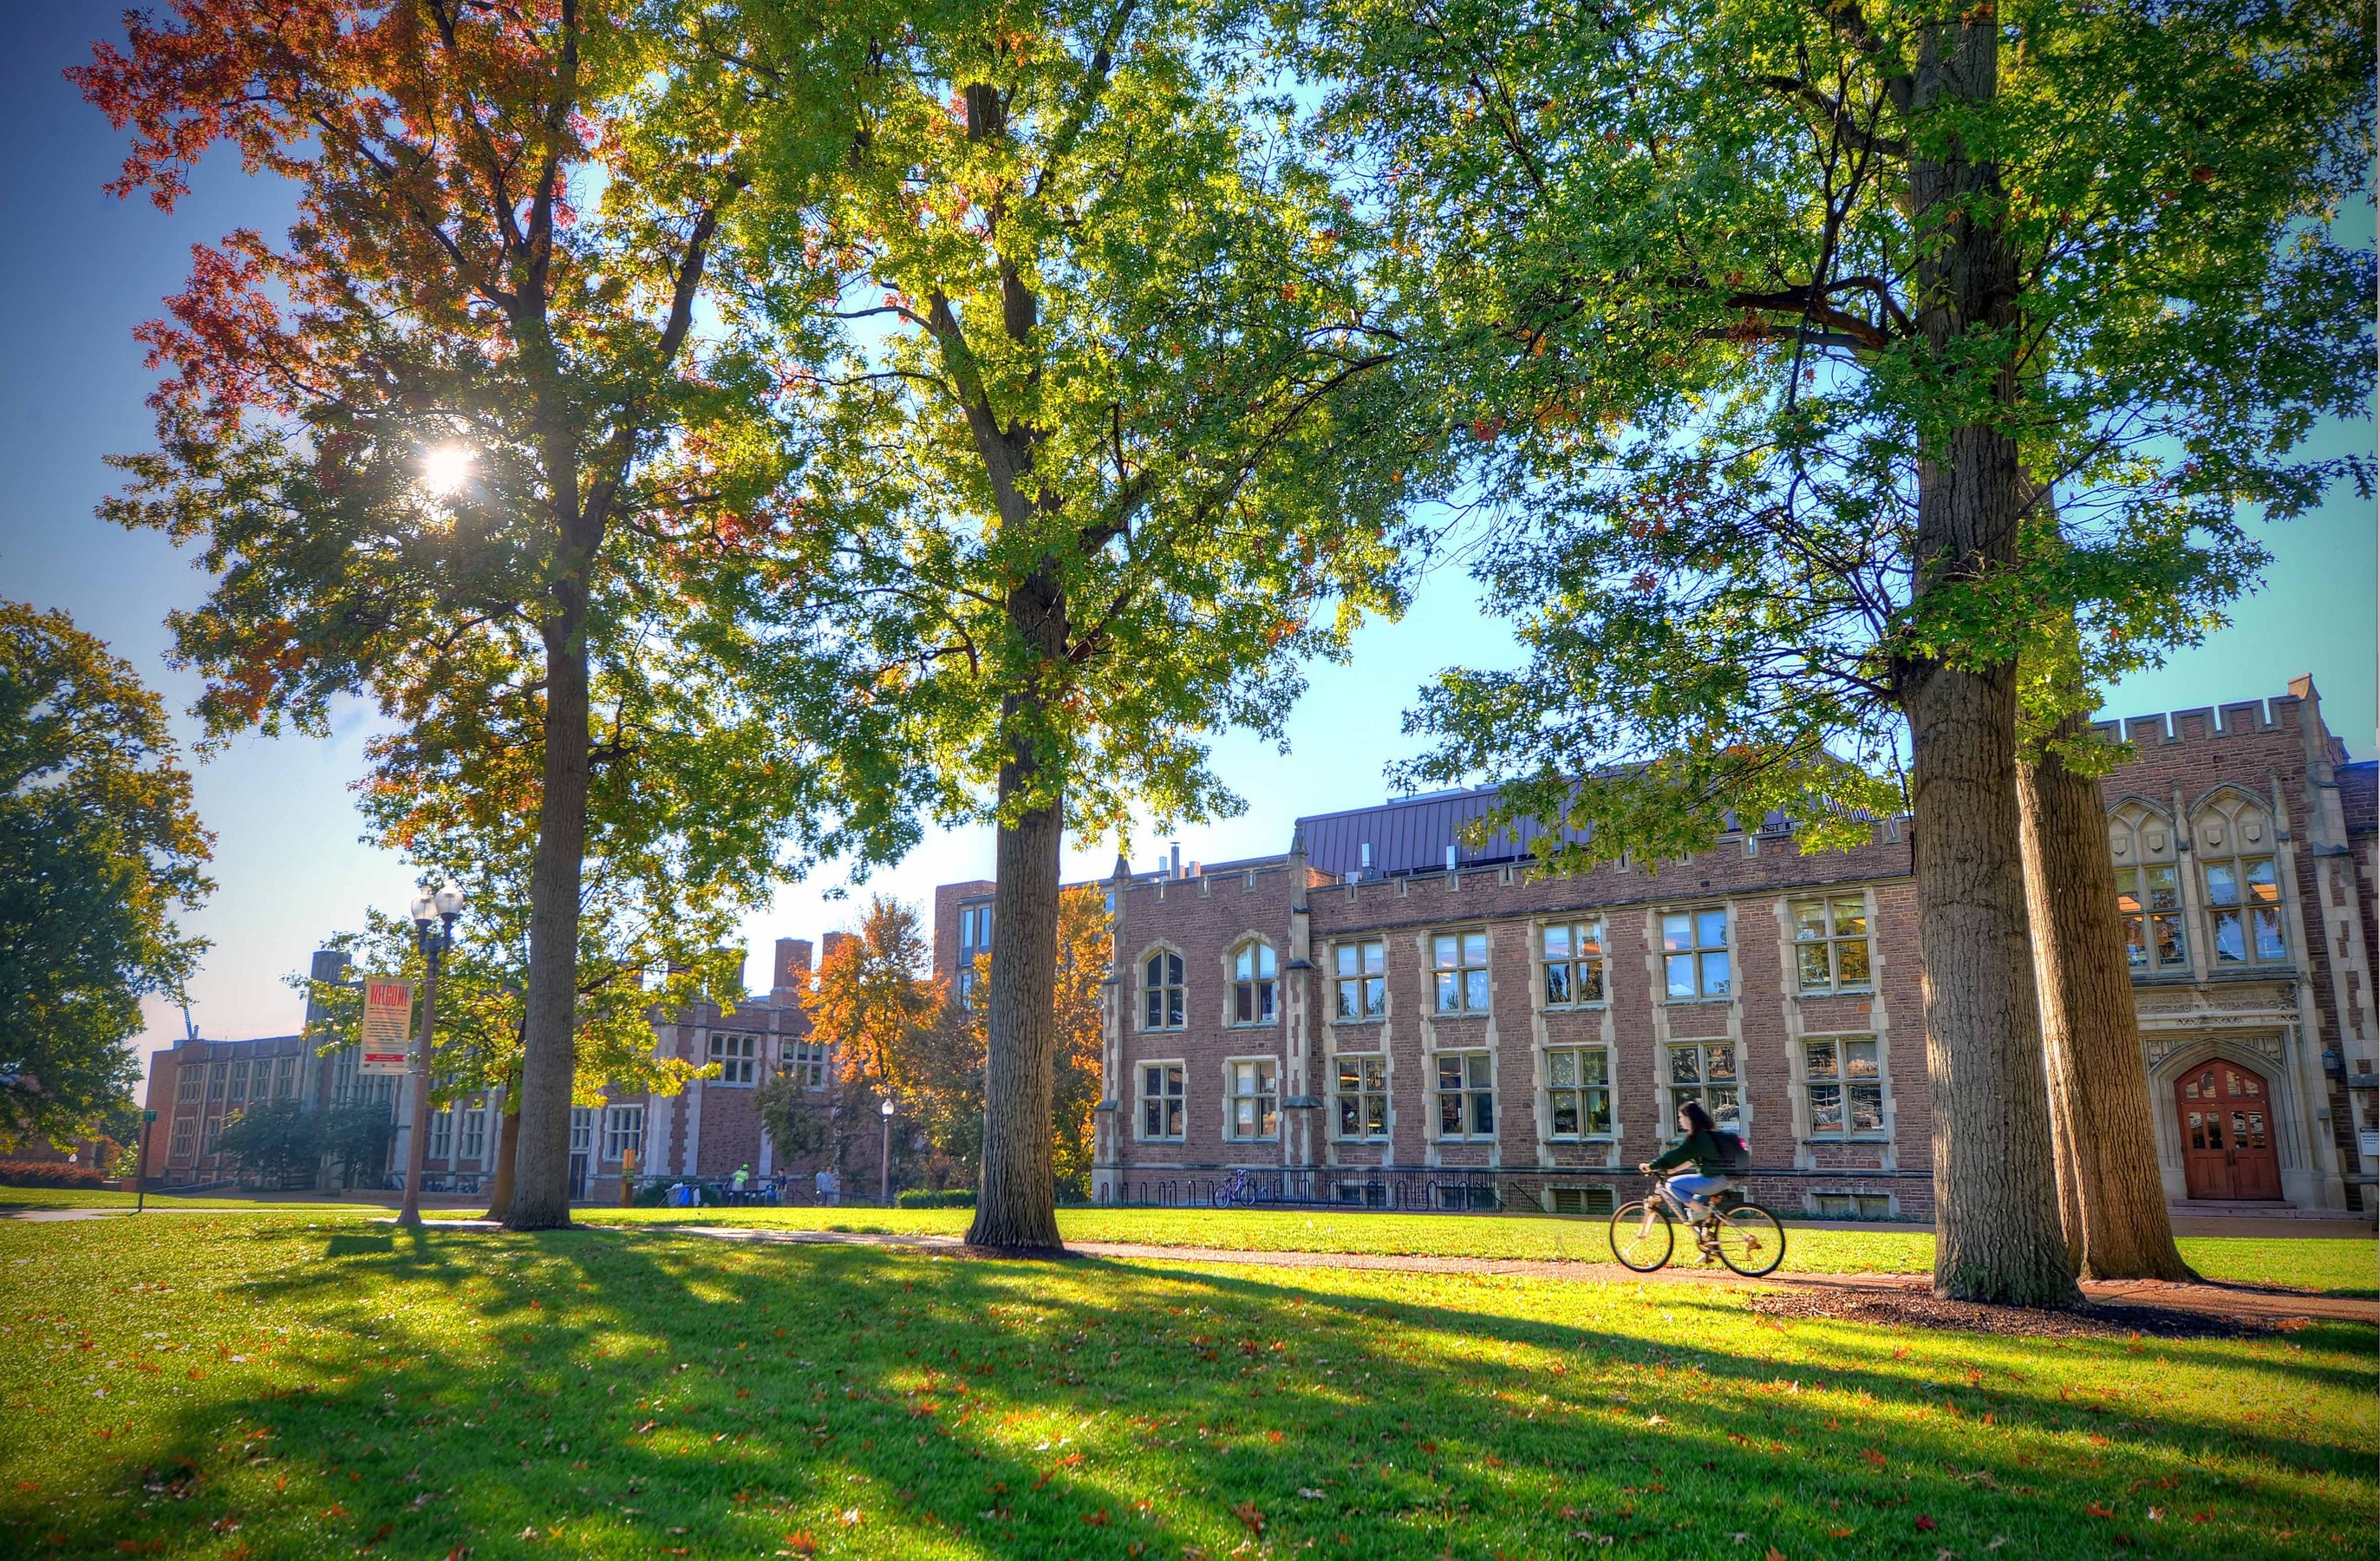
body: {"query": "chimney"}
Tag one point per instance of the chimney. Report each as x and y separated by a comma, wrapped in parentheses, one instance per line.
(793, 967)
(831, 941)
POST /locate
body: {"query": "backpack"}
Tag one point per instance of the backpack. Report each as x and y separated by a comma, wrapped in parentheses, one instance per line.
(1737, 1155)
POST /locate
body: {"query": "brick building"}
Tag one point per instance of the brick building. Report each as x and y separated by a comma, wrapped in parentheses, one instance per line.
(1381, 1015)
(708, 1132)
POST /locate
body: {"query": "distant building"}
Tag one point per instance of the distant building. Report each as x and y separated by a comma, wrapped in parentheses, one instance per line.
(1384, 1015)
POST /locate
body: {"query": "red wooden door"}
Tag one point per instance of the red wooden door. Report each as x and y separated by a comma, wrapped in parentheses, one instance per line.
(2226, 1133)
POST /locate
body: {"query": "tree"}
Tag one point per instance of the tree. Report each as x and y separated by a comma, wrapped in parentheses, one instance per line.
(100, 850)
(274, 1142)
(872, 998)
(2110, 1192)
(1085, 957)
(456, 441)
(356, 1134)
(1118, 411)
(1783, 320)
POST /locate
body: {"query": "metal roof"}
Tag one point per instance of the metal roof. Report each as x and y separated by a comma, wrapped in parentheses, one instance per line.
(1412, 833)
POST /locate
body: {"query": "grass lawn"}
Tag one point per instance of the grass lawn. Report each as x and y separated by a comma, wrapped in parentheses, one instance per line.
(105, 1198)
(235, 1387)
(2330, 1265)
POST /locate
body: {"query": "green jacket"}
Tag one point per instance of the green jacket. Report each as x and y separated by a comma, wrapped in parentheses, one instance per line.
(1701, 1149)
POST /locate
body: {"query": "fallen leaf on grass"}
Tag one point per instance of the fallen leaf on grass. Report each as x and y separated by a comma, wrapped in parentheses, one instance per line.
(2095, 1510)
(798, 1543)
(1249, 1517)
(1927, 1525)
(1097, 1519)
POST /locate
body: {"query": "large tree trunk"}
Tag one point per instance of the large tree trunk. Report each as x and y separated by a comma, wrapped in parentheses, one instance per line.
(549, 1041)
(1998, 1236)
(1016, 1206)
(500, 1200)
(2111, 1196)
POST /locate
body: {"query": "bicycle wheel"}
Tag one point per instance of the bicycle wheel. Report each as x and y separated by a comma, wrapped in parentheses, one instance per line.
(1749, 1240)
(1641, 1235)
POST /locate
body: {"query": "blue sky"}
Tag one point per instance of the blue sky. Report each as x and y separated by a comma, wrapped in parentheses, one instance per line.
(85, 269)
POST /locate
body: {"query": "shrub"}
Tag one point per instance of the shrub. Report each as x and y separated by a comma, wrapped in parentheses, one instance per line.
(45, 1173)
(919, 1198)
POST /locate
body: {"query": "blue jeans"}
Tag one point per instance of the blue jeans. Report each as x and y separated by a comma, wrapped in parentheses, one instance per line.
(1694, 1188)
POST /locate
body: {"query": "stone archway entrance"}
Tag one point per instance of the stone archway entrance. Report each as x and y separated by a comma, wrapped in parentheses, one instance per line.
(2225, 1113)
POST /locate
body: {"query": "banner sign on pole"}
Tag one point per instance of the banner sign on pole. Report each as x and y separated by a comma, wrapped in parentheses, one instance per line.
(388, 1027)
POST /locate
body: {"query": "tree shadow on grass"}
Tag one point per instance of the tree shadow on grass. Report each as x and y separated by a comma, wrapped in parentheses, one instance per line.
(625, 1394)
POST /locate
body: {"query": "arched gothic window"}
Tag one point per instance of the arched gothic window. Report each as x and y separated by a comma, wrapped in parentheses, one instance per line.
(2233, 838)
(1254, 982)
(2148, 888)
(1164, 1005)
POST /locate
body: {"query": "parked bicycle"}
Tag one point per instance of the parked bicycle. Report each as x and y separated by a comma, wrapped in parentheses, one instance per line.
(1238, 1187)
(1738, 1233)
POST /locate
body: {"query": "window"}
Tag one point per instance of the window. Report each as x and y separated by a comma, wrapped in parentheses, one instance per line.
(582, 1128)
(1830, 943)
(475, 1133)
(2243, 911)
(190, 1086)
(1251, 1098)
(207, 1135)
(1693, 955)
(1363, 1097)
(285, 1078)
(218, 1083)
(1252, 983)
(624, 1131)
(1578, 1081)
(1580, 1200)
(1573, 957)
(238, 1096)
(185, 1130)
(974, 942)
(442, 1133)
(1160, 1100)
(1846, 1087)
(1362, 972)
(1162, 989)
(738, 1056)
(806, 1063)
(2148, 902)
(1704, 1071)
(1459, 960)
(1466, 1095)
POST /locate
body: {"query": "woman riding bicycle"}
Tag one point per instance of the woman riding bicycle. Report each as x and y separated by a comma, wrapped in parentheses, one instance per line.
(1701, 1146)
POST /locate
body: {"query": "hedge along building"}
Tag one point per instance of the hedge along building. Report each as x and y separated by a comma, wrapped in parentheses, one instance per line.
(1383, 1016)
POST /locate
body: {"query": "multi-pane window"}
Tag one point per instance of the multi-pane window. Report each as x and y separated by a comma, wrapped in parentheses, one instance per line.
(475, 1133)
(806, 1063)
(185, 1130)
(1695, 956)
(1363, 1097)
(2243, 911)
(1361, 969)
(285, 1078)
(1572, 955)
(1164, 1005)
(190, 1086)
(624, 1131)
(1253, 983)
(1251, 1098)
(582, 1128)
(975, 941)
(738, 1057)
(207, 1135)
(442, 1133)
(238, 1096)
(1459, 964)
(218, 1084)
(1466, 1095)
(1830, 943)
(1704, 1071)
(2148, 902)
(1161, 1107)
(2246, 1099)
(1846, 1087)
(1578, 1085)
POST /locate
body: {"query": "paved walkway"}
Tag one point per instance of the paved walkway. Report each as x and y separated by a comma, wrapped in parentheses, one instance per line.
(2222, 1301)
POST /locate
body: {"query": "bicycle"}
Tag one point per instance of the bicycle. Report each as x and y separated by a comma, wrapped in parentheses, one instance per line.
(1740, 1233)
(1238, 1187)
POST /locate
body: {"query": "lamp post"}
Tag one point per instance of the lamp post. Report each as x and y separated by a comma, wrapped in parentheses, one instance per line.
(887, 1109)
(434, 927)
